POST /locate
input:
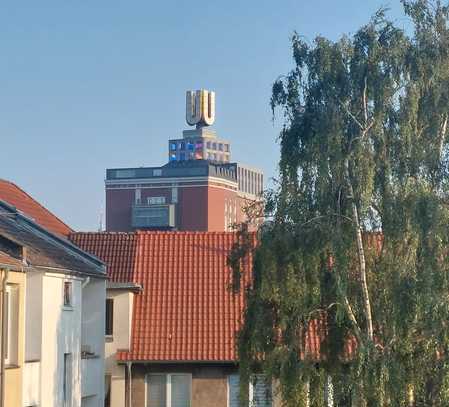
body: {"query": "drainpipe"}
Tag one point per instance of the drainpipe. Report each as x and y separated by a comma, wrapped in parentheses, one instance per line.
(5, 273)
(128, 365)
(85, 282)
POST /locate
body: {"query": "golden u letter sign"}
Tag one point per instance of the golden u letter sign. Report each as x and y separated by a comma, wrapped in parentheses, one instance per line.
(200, 108)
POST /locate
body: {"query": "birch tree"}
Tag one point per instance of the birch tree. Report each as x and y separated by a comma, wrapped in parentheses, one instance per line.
(355, 254)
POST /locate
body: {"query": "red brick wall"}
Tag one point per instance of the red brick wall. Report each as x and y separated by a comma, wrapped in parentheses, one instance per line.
(192, 208)
(199, 208)
(118, 209)
(216, 208)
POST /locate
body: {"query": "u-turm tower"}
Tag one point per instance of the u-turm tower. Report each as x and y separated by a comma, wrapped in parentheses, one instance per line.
(200, 188)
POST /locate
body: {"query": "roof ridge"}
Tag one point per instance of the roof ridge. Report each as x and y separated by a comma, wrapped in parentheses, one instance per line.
(102, 233)
(185, 232)
(37, 202)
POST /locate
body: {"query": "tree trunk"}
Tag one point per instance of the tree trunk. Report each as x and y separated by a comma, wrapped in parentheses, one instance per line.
(360, 255)
(328, 392)
(410, 396)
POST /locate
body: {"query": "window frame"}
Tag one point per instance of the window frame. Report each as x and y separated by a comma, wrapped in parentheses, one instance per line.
(168, 376)
(109, 318)
(67, 374)
(69, 305)
(12, 318)
(251, 390)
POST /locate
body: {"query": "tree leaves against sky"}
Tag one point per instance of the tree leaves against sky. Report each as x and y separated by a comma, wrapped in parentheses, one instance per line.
(364, 147)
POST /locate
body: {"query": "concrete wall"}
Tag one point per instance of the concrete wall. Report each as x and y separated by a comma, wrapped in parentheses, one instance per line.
(53, 330)
(33, 319)
(14, 374)
(61, 333)
(92, 340)
(120, 339)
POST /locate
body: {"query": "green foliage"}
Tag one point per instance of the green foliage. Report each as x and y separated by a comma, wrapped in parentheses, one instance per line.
(364, 147)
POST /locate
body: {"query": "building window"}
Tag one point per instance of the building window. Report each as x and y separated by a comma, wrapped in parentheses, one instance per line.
(109, 316)
(182, 156)
(190, 146)
(259, 391)
(214, 146)
(220, 147)
(68, 294)
(156, 200)
(12, 324)
(169, 390)
(182, 145)
(173, 146)
(67, 377)
(208, 144)
(226, 146)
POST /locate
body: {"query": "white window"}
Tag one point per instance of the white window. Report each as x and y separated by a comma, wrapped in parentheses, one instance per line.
(169, 390)
(259, 391)
(68, 294)
(12, 324)
(156, 200)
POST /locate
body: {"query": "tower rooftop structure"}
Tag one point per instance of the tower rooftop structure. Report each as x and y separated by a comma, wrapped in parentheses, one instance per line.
(202, 142)
(198, 189)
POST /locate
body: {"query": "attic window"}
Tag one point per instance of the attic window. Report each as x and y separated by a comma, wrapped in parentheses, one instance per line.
(68, 294)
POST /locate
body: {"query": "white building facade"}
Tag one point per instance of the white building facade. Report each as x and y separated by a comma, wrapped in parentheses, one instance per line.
(64, 316)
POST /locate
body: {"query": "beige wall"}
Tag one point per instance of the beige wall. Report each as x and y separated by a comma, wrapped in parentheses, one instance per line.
(14, 374)
(120, 339)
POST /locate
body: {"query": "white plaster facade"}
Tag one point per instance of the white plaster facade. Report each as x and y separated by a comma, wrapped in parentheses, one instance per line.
(64, 344)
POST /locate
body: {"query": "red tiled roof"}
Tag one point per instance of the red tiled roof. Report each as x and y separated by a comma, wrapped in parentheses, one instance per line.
(116, 249)
(13, 195)
(186, 311)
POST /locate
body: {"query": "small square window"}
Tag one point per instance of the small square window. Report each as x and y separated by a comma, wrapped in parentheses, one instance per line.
(68, 294)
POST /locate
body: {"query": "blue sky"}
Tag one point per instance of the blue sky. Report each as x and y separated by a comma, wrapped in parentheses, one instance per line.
(90, 85)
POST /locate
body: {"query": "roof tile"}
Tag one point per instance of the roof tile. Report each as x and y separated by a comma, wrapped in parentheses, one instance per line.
(15, 196)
